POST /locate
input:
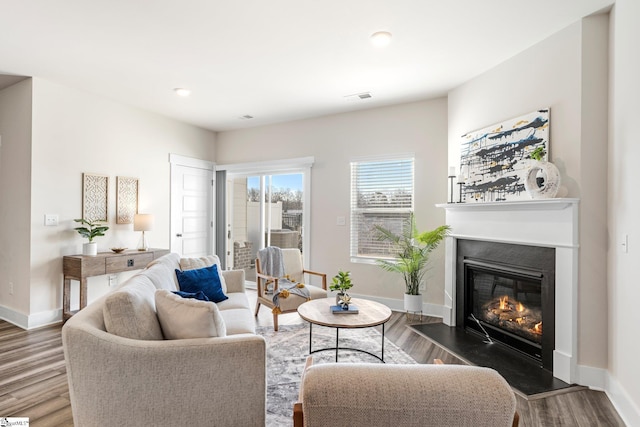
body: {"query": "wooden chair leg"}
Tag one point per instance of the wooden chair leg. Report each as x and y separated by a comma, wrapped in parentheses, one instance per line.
(257, 307)
(275, 322)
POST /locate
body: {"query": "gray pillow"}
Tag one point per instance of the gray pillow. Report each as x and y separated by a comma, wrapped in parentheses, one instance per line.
(130, 312)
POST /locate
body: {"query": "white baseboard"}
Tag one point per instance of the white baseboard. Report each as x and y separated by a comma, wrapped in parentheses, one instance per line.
(595, 378)
(17, 318)
(434, 310)
(30, 321)
(626, 407)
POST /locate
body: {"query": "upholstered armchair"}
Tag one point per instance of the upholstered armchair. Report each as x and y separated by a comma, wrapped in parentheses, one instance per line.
(294, 271)
(370, 395)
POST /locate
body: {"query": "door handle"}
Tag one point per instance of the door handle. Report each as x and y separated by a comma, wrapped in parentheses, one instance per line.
(179, 235)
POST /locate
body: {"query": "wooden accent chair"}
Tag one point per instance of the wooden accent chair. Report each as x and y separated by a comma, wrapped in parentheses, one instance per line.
(371, 395)
(294, 270)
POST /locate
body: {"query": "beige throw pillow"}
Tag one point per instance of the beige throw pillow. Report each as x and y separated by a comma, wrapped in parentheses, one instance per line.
(202, 262)
(182, 318)
(130, 311)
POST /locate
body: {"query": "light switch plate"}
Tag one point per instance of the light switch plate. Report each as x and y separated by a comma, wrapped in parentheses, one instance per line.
(341, 220)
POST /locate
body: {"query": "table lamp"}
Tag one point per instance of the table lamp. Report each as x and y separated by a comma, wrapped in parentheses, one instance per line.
(143, 222)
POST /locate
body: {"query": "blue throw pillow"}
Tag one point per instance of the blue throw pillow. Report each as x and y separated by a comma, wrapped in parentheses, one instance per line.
(195, 295)
(205, 279)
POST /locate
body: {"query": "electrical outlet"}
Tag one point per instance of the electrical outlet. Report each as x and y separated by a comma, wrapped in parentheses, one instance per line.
(10, 288)
(423, 287)
(113, 280)
(51, 220)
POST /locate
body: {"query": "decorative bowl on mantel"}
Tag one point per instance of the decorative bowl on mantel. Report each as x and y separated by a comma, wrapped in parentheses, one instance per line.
(118, 250)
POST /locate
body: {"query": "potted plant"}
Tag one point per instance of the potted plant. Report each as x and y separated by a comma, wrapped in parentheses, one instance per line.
(341, 282)
(542, 180)
(90, 230)
(412, 250)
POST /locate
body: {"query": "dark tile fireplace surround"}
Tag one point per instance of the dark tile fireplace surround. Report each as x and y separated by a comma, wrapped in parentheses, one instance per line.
(505, 313)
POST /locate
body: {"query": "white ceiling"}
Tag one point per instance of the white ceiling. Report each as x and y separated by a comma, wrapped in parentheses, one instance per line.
(276, 60)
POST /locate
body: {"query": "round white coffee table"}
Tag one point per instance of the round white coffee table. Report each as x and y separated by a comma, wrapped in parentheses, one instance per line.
(370, 313)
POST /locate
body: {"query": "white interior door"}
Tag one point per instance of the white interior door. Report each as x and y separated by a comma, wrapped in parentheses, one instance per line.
(192, 202)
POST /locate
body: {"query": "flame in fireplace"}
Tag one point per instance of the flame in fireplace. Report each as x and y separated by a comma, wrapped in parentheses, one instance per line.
(538, 328)
(504, 302)
(520, 307)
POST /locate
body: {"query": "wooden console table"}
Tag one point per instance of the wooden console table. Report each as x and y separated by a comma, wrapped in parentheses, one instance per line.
(80, 267)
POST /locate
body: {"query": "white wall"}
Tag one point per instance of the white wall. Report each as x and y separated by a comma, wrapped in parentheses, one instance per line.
(15, 181)
(75, 132)
(624, 211)
(334, 141)
(562, 73)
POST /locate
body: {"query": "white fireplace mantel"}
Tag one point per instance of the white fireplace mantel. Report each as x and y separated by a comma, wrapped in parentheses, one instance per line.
(547, 222)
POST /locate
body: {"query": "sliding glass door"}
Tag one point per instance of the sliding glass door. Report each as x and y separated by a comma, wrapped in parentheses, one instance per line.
(267, 204)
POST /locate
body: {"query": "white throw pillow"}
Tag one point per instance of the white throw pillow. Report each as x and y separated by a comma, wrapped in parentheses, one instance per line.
(182, 318)
(202, 262)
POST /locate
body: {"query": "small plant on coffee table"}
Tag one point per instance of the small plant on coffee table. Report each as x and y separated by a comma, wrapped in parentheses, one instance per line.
(341, 282)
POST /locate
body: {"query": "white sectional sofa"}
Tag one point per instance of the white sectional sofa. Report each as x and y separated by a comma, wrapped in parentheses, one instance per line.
(143, 379)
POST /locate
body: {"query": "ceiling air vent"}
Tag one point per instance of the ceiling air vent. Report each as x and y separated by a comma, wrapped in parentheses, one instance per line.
(358, 96)
(246, 117)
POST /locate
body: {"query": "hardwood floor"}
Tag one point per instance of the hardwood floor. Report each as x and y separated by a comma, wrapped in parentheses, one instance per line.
(33, 379)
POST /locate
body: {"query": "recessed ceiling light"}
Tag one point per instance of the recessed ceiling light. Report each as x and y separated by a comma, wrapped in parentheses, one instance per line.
(180, 91)
(381, 38)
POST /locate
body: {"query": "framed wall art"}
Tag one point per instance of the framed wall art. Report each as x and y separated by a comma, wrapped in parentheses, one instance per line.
(95, 189)
(126, 199)
(494, 160)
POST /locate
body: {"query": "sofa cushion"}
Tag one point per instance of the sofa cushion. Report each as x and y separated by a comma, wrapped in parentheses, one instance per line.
(161, 276)
(239, 321)
(205, 261)
(182, 318)
(205, 279)
(236, 300)
(130, 311)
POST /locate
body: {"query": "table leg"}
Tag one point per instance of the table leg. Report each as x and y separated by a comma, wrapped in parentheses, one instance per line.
(66, 299)
(337, 332)
(83, 294)
(310, 335)
(382, 358)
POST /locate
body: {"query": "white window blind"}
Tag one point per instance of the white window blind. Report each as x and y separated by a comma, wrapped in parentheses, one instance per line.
(381, 194)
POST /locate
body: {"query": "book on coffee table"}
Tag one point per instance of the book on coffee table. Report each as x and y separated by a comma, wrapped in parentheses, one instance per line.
(337, 309)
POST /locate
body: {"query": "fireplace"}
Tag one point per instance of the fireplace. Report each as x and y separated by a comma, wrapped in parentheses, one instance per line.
(550, 224)
(506, 293)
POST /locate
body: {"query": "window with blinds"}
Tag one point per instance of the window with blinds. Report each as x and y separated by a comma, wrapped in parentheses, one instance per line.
(381, 194)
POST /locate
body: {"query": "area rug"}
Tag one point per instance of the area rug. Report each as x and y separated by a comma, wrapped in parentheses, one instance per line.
(288, 349)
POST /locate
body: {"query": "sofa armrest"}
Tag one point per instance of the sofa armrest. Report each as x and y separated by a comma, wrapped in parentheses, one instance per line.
(426, 395)
(234, 280)
(206, 381)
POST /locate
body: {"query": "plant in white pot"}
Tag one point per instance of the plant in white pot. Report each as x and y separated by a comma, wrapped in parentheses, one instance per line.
(412, 250)
(90, 230)
(542, 179)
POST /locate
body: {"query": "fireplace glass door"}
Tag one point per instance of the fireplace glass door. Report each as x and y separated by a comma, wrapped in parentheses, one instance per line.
(506, 304)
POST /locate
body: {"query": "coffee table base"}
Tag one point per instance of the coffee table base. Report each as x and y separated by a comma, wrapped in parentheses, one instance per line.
(337, 347)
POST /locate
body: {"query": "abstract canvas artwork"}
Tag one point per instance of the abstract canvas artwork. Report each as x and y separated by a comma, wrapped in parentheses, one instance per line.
(95, 189)
(493, 160)
(126, 199)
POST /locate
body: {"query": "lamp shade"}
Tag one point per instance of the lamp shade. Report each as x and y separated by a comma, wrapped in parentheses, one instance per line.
(143, 222)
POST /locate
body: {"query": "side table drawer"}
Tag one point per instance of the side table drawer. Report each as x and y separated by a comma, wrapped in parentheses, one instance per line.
(82, 266)
(134, 261)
